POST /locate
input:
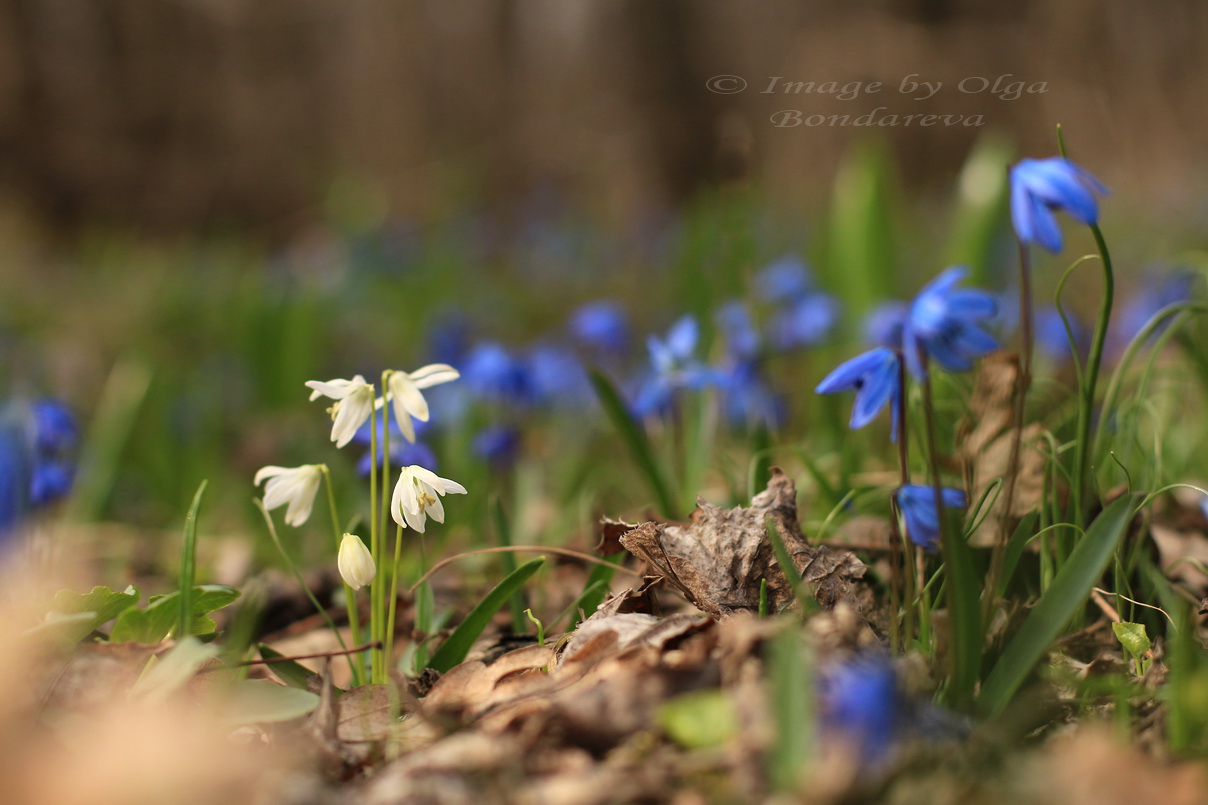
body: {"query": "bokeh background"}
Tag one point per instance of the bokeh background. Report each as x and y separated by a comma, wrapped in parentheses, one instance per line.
(204, 203)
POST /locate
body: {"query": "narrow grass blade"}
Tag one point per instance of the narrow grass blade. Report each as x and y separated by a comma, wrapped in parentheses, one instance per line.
(503, 531)
(635, 439)
(792, 709)
(808, 603)
(981, 209)
(597, 584)
(455, 648)
(1015, 547)
(291, 673)
(188, 566)
(1060, 603)
(964, 585)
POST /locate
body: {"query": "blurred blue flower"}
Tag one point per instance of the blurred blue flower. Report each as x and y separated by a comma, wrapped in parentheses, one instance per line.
(449, 338)
(883, 326)
(917, 503)
(556, 377)
(493, 373)
(861, 706)
(805, 322)
(1051, 338)
(749, 400)
(55, 429)
(674, 366)
(875, 376)
(1158, 290)
(784, 280)
(50, 480)
(402, 452)
(37, 465)
(944, 322)
(1040, 186)
(498, 445)
(601, 326)
(741, 338)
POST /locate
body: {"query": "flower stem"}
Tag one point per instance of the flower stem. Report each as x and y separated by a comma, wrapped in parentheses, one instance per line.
(375, 549)
(350, 595)
(909, 593)
(394, 571)
(1082, 452)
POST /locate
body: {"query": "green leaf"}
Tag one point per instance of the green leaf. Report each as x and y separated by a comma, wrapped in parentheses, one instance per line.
(1067, 594)
(963, 593)
(457, 646)
(635, 439)
(188, 566)
(597, 583)
(291, 673)
(699, 720)
(102, 602)
(259, 701)
(503, 530)
(160, 618)
(1133, 637)
(792, 704)
(172, 671)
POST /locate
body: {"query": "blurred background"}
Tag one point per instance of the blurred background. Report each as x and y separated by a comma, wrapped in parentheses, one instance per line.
(204, 203)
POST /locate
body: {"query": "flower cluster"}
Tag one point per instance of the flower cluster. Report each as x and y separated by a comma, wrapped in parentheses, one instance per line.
(37, 465)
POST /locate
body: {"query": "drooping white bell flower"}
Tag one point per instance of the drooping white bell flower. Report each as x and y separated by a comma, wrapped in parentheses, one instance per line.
(403, 391)
(355, 562)
(354, 403)
(417, 497)
(295, 486)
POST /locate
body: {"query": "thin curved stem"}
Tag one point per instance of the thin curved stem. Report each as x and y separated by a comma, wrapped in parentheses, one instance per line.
(350, 595)
(1086, 404)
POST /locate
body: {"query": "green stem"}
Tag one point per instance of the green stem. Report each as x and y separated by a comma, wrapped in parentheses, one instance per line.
(394, 572)
(1086, 404)
(375, 550)
(350, 595)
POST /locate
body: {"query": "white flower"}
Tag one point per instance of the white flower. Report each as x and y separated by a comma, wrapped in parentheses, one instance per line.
(417, 496)
(355, 562)
(293, 485)
(354, 404)
(403, 389)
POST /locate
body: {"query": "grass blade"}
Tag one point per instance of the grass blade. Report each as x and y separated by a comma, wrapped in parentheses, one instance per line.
(1060, 603)
(290, 672)
(964, 586)
(503, 531)
(188, 566)
(454, 650)
(635, 439)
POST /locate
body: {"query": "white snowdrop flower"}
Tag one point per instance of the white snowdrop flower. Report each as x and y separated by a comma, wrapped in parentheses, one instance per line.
(354, 403)
(295, 486)
(403, 390)
(355, 562)
(417, 497)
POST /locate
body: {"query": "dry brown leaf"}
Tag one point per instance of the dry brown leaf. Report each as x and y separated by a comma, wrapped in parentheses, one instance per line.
(719, 559)
(1181, 555)
(986, 446)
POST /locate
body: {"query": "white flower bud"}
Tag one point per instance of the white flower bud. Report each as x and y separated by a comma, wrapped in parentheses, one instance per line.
(355, 562)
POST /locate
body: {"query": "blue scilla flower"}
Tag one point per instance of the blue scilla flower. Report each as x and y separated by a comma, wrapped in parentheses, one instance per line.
(37, 465)
(883, 326)
(402, 452)
(861, 706)
(944, 322)
(493, 373)
(804, 322)
(1041, 186)
(1156, 292)
(875, 377)
(55, 428)
(1051, 338)
(498, 445)
(784, 280)
(741, 338)
(674, 366)
(601, 326)
(557, 378)
(748, 399)
(917, 503)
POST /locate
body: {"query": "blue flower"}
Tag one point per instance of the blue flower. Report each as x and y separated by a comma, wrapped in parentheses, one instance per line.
(749, 400)
(494, 374)
(944, 322)
(786, 279)
(498, 445)
(556, 377)
(601, 326)
(861, 706)
(1040, 186)
(804, 322)
(55, 429)
(1051, 338)
(875, 377)
(883, 326)
(674, 366)
(741, 337)
(1157, 291)
(917, 503)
